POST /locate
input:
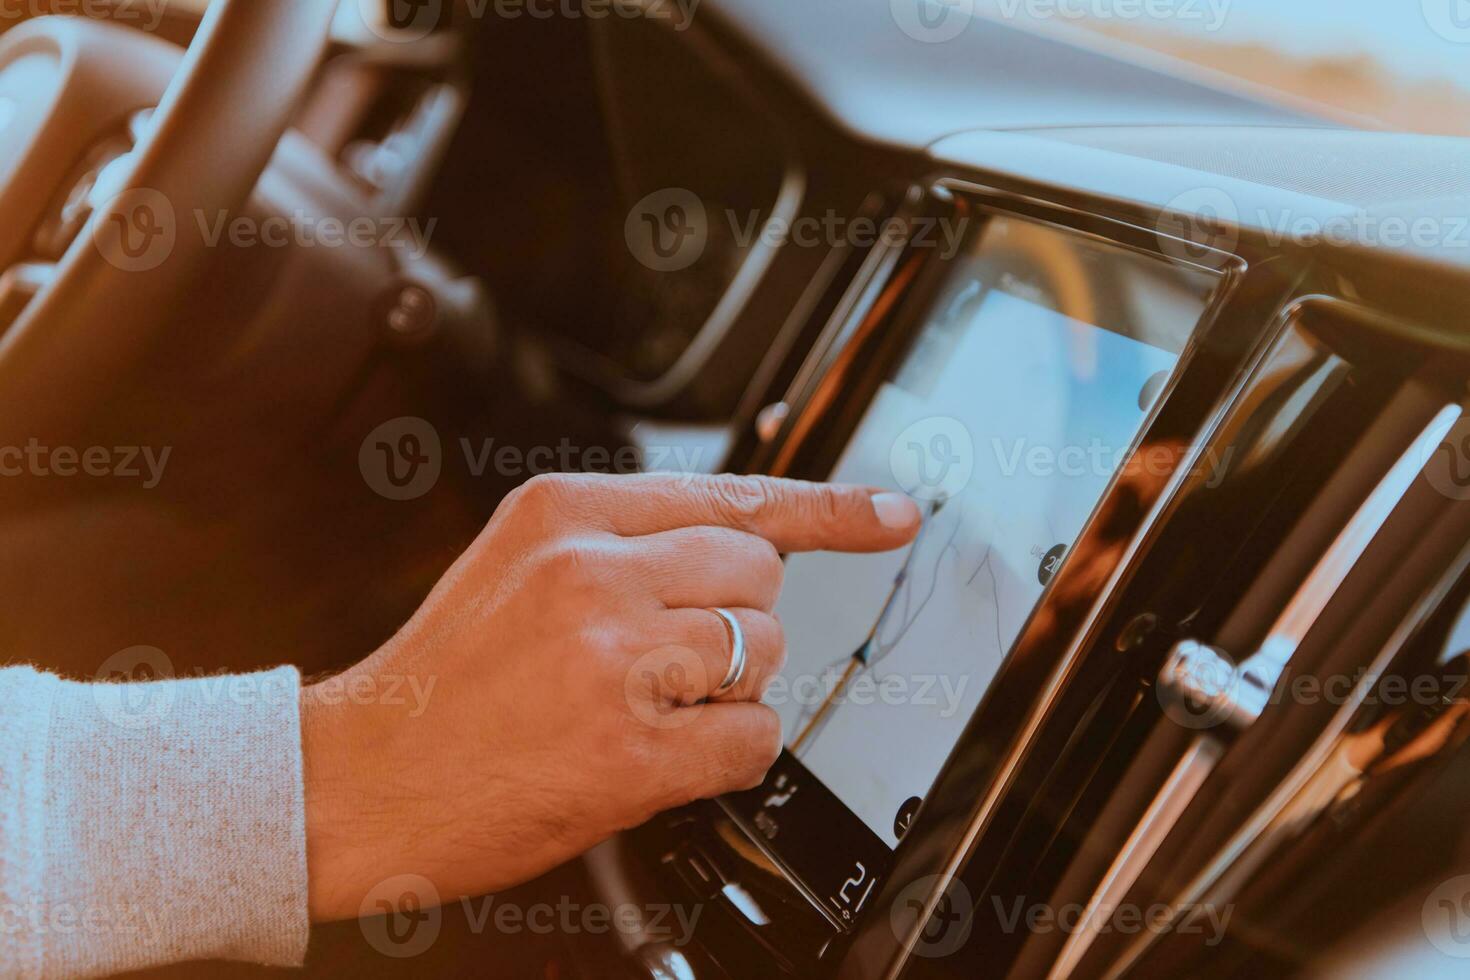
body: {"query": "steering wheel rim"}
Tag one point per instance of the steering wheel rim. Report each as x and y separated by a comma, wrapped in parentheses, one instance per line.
(206, 145)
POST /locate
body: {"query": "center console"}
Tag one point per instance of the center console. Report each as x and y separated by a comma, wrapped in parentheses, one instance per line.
(1005, 405)
(1138, 445)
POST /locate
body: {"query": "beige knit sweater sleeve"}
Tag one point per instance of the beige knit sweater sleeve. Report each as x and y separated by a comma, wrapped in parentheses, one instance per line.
(143, 824)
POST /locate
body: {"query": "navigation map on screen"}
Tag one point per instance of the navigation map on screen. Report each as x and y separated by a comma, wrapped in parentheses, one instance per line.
(1006, 424)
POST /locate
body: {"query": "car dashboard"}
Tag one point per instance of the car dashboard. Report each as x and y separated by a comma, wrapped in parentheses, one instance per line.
(1183, 404)
(1172, 680)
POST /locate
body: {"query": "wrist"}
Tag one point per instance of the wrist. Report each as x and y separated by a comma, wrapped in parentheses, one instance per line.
(333, 798)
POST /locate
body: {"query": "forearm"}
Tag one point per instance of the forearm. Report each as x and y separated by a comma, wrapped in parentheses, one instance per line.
(149, 824)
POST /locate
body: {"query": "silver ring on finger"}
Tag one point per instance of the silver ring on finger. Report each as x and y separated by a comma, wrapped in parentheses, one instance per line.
(737, 652)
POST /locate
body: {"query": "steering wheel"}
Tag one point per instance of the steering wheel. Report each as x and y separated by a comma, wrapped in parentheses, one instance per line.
(101, 196)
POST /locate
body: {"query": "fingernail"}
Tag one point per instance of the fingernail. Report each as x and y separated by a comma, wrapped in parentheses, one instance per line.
(895, 510)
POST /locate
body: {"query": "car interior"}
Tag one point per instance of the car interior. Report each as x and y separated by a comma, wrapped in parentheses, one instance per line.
(1170, 684)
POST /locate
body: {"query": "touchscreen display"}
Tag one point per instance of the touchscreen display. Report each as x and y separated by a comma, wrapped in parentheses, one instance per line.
(1015, 405)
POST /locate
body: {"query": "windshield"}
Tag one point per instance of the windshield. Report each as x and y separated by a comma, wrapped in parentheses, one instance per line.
(1394, 64)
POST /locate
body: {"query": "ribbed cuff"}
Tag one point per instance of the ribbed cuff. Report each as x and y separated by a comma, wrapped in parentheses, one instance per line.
(25, 716)
(176, 824)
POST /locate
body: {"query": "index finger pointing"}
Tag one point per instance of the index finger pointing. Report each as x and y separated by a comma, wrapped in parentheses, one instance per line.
(794, 515)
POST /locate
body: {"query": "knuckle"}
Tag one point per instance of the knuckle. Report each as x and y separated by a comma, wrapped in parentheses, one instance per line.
(739, 761)
(547, 496)
(827, 504)
(579, 563)
(742, 500)
(712, 543)
(530, 505)
(746, 760)
(765, 744)
(671, 781)
(539, 490)
(766, 560)
(726, 545)
(776, 633)
(569, 558)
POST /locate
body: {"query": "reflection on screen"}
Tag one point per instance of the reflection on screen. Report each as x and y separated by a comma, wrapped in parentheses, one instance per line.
(1006, 423)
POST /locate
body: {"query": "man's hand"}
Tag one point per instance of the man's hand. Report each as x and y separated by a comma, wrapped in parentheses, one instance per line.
(568, 655)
